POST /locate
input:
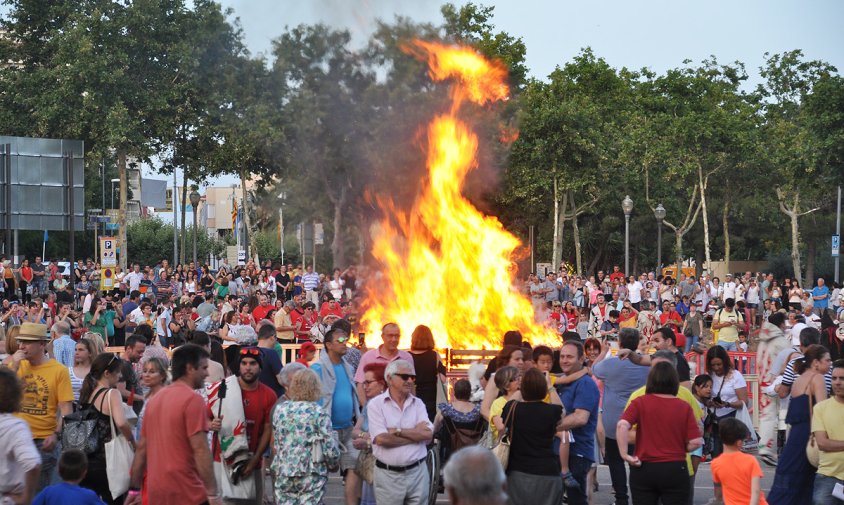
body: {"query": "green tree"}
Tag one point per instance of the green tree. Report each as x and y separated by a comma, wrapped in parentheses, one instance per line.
(794, 142)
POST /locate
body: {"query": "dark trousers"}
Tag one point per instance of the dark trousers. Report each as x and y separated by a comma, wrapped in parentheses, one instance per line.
(665, 483)
(579, 468)
(618, 470)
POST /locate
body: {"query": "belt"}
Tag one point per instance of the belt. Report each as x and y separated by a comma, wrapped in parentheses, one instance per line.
(405, 468)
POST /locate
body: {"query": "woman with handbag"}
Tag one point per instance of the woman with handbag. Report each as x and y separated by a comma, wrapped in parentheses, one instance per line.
(532, 466)
(304, 445)
(373, 385)
(508, 383)
(729, 387)
(795, 475)
(98, 391)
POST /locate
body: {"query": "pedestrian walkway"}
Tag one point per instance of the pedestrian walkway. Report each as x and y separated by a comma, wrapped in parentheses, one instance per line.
(703, 487)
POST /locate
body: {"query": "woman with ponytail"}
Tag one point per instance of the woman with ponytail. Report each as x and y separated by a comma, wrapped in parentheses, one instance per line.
(98, 392)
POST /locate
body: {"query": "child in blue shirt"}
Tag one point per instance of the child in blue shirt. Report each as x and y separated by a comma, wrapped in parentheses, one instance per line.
(73, 466)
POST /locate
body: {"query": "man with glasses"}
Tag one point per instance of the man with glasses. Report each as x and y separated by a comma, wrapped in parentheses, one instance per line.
(385, 353)
(341, 402)
(400, 431)
(46, 391)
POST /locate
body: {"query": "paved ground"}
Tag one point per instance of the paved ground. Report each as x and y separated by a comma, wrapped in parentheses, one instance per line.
(703, 487)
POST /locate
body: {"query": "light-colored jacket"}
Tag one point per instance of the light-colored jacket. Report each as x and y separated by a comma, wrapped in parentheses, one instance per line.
(329, 382)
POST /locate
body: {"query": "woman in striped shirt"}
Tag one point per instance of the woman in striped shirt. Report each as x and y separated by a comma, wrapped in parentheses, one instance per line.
(83, 357)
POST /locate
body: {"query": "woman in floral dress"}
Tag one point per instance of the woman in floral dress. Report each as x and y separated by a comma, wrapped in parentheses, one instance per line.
(300, 426)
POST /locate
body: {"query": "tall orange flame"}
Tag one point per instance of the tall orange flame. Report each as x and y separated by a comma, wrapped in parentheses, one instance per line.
(444, 263)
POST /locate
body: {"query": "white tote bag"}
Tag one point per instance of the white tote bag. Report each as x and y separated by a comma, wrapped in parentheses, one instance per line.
(119, 456)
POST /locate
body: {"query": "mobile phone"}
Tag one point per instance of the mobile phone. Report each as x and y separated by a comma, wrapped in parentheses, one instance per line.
(45, 306)
(361, 336)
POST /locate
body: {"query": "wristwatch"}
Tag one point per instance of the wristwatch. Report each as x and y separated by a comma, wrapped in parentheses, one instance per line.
(398, 432)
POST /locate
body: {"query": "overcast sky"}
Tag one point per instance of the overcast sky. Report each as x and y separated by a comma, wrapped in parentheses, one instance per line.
(658, 34)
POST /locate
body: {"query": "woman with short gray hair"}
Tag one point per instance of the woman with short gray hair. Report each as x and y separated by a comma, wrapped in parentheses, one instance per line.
(304, 445)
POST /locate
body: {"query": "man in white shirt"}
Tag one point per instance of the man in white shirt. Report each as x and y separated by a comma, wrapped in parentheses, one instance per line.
(729, 288)
(162, 323)
(634, 292)
(133, 278)
(812, 318)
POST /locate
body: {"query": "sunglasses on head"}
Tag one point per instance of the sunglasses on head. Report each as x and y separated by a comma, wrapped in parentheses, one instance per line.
(113, 357)
(250, 351)
(406, 376)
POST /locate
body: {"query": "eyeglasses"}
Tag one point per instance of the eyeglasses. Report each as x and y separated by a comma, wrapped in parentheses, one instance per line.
(405, 376)
(250, 351)
(371, 381)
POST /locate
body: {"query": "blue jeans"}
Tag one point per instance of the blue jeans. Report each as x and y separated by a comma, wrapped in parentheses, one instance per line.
(691, 341)
(823, 490)
(49, 463)
(579, 468)
(729, 346)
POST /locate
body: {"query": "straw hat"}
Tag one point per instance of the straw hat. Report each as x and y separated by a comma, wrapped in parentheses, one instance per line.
(33, 331)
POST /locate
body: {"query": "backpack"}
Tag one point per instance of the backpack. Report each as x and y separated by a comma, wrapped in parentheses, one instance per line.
(80, 428)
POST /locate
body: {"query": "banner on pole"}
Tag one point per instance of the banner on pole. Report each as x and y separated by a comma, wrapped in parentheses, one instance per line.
(836, 245)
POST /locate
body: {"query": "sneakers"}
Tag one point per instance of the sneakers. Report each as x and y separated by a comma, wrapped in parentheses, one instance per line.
(570, 482)
(768, 459)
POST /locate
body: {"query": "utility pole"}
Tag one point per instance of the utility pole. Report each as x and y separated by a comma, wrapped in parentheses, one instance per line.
(838, 231)
(175, 219)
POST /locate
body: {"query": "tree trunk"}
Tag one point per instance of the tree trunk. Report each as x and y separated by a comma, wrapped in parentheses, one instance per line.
(703, 183)
(182, 202)
(556, 244)
(726, 224)
(795, 245)
(338, 242)
(363, 229)
(576, 233)
(246, 221)
(811, 252)
(593, 265)
(678, 250)
(121, 213)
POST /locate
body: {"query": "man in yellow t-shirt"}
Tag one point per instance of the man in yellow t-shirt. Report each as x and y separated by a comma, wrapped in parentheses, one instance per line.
(46, 391)
(683, 394)
(829, 433)
(728, 321)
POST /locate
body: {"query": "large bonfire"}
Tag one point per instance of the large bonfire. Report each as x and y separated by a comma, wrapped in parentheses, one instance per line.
(445, 264)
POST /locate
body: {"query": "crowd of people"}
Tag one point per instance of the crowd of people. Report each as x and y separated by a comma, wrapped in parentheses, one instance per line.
(198, 401)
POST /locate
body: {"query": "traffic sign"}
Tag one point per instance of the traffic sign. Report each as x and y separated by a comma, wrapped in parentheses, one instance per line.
(108, 252)
(106, 279)
(836, 245)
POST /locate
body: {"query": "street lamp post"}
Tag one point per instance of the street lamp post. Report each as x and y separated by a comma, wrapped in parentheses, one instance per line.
(281, 197)
(113, 182)
(627, 207)
(659, 214)
(194, 201)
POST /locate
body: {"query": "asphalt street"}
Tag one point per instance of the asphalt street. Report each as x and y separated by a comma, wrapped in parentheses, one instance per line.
(703, 487)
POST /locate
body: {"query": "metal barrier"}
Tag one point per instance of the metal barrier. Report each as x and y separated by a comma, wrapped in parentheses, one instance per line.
(744, 362)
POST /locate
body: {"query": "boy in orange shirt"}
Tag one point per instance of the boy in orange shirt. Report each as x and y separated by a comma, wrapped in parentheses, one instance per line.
(737, 476)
